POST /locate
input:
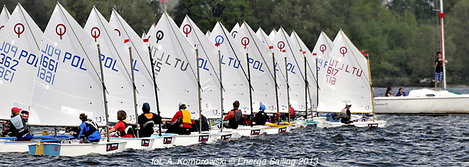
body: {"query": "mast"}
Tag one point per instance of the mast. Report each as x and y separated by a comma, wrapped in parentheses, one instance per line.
(104, 92)
(155, 88)
(250, 87)
(199, 90)
(306, 88)
(276, 86)
(221, 91)
(133, 85)
(288, 86)
(371, 88)
(317, 87)
(442, 41)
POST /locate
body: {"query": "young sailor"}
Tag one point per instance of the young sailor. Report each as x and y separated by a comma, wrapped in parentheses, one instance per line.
(181, 122)
(235, 117)
(147, 120)
(123, 127)
(17, 125)
(88, 130)
(261, 117)
(345, 114)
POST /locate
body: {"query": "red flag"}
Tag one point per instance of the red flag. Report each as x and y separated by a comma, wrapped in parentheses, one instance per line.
(145, 40)
(441, 15)
(362, 51)
(366, 54)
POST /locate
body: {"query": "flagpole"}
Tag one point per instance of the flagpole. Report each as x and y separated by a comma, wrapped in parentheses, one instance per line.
(442, 42)
(250, 86)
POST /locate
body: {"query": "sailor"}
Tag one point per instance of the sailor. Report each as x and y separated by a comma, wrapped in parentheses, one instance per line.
(261, 117)
(291, 112)
(17, 125)
(235, 117)
(147, 120)
(123, 127)
(181, 122)
(345, 114)
(88, 130)
(205, 124)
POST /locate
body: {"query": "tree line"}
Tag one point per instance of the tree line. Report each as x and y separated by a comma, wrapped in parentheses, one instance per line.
(401, 36)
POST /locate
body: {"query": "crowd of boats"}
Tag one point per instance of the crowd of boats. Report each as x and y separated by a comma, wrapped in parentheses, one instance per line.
(68, 70)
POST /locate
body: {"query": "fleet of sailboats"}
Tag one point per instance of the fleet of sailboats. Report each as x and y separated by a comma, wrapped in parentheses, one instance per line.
(105, 66)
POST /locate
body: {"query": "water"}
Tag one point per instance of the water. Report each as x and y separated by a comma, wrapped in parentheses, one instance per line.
(415, 140)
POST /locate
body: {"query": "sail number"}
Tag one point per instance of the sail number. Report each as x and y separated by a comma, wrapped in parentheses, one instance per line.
(330, 76)
(7, 67)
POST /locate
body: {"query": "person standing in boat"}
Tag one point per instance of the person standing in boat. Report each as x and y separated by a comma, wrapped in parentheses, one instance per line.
(88, 130)
(261, 117)
(401, 92)
(123, 127)
(147, 121)
(345, 114)
(181, 122)
(388, 92)
(17, 126)
(234, 117)
(439, 63)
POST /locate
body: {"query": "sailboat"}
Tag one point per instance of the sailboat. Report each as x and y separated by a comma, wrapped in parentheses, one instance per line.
(427, 101)
(261, 75)
(144, 82)
(20, 40)
(235, 81)
(347, 81)
(69, 81)
(175, 63)
(210, 77)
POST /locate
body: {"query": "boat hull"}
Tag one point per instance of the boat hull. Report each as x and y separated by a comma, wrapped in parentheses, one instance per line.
(323, 123)
(76, 149)
(278, 129)
(457, 104)
(149, 143)
(193, 139)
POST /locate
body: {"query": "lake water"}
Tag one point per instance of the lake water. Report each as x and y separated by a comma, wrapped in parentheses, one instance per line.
(415, 140)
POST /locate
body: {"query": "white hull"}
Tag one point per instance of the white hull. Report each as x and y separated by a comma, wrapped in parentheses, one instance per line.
(193, 139)
(6, 146)
(227, 134)
(439, 102)
(323, 123)
(148, 143)
(249, 131)
(78, 149)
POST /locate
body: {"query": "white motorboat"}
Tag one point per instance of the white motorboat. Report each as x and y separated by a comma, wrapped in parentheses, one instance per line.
(424, 101)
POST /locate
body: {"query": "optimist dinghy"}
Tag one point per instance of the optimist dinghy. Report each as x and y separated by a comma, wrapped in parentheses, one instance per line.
(8, 144)
(346, 81)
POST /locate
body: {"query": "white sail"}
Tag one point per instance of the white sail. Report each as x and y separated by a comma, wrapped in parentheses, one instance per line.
(273, 34)
(303, 50)
(4, 16)
(67, 81)
(175, 68)
(208, 68)
(19, 52)
(347, 79)
(234, 70)
(207, 33)
(142, 69)
(261, 68)
(295, 68)
(279, 70)
(235, 30)
(116, 65)
(322, 49)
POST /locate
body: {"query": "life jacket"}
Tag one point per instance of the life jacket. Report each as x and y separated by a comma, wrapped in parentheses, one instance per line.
(186, 117)
(149, 121)
(92, 127)
(238, 116)
(18, 126)
(129, 129)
